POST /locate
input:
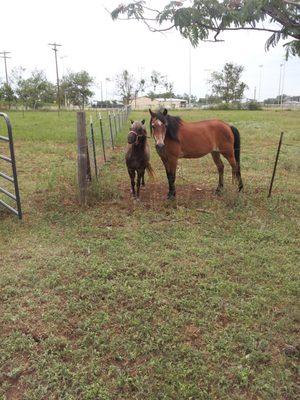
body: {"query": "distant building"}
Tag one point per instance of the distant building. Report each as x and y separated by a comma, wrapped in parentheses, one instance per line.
(144, 102)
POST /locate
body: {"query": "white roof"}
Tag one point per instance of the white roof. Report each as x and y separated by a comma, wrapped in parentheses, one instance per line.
(171, 100)
(161, 99)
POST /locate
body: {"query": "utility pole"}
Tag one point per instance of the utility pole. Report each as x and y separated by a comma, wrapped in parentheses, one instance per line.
(55, 45)
(190, 74)
(279, 89)
(106, 92)
(282, 85)
(259, 85)
(3, 54)
(101, 88)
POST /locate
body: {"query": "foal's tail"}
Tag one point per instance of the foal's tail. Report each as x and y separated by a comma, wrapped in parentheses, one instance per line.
(237, 144)
(150, 171)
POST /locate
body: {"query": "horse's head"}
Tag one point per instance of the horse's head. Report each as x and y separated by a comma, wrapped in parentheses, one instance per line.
(137, 133)
(159, 124)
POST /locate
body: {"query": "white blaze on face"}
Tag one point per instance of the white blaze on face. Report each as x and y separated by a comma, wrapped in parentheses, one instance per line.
(159, 132)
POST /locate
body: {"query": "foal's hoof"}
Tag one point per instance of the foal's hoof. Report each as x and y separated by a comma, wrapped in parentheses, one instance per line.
(171, 196)
(219, 191)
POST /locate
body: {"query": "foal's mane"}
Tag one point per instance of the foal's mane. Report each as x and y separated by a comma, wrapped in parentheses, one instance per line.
(173, 125)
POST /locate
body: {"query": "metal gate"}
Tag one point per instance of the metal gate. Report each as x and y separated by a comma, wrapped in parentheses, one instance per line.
(14, 179)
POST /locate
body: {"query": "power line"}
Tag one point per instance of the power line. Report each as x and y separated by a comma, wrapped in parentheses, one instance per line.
(54, 48)
(3, 54)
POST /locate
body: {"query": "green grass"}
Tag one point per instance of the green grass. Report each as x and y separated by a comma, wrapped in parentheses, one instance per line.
(152, 300)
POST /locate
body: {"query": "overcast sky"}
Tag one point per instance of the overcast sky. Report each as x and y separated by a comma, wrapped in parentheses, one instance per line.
(92, 41)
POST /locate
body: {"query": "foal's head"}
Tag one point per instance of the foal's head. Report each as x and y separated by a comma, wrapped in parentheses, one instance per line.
(137, 133)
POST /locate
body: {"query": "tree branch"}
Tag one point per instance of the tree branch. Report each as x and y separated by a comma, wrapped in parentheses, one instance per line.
(292, 3)
(200, 19)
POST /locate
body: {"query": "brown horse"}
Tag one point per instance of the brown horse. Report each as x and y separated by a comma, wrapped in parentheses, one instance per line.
(178, 139)
(138, 156)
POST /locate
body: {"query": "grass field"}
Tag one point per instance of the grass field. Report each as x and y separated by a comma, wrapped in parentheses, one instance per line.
(195, 299)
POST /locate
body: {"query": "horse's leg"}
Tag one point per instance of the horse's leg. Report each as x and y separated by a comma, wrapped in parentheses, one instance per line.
(217, 159)
(131, 173)
(239, 177)
(171, 166)
(236, 171)
(143, 179)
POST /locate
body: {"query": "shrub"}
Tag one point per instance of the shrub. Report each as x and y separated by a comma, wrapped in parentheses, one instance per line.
(253, 105)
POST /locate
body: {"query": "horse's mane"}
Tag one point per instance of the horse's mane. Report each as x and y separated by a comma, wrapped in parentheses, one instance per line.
(173, 125)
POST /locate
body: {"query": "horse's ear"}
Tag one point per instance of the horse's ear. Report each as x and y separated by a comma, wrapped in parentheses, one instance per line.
(131, 121)
(143, 122)
(165, 112)
(151, 113)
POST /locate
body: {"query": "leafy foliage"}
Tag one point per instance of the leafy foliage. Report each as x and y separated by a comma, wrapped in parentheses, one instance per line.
(227, 85)
(7, 93)
(76, 87)
(36, 90)
(253, 106)
(159, 81)
(206, 19)
(128, 87)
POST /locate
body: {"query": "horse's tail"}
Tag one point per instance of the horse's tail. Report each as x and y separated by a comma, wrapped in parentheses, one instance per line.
(150, 171)
(237, 144)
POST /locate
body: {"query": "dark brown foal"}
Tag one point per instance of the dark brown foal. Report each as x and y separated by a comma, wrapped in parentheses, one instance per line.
(138, 156)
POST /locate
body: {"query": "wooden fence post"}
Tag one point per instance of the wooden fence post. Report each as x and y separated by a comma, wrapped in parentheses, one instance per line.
(82, 160)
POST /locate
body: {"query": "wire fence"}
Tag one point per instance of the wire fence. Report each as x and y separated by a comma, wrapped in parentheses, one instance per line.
(104, 128)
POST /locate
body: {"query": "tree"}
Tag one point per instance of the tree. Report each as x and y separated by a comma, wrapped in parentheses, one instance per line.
(207, 19)
(128, 87)
(156, 77)
(226, 84)
(36, 90)
(76, 87)
(7, 93)
(190, 99)
(160, 81)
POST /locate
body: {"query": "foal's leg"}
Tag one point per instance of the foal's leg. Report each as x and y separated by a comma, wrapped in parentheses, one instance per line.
(131, 173)
(219, 163)
(140, 174)
(236, 171)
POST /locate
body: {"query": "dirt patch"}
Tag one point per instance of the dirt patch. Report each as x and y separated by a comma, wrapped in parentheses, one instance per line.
(17, 387)
(192, 336)
(154, 195)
